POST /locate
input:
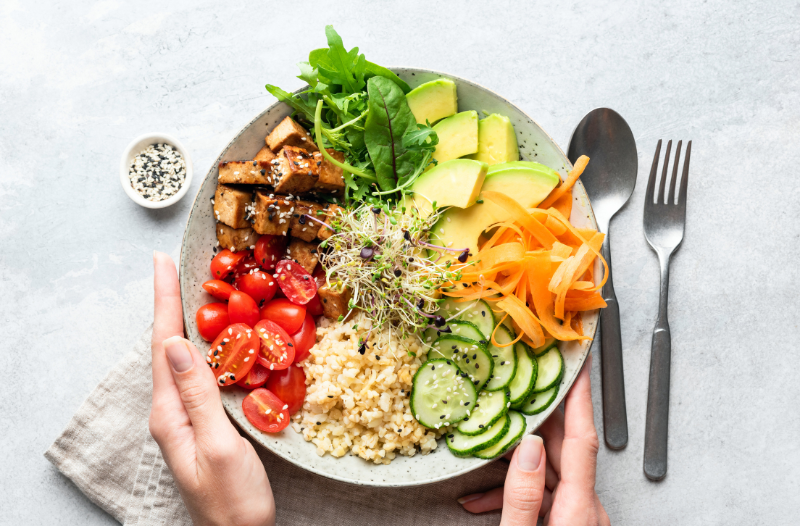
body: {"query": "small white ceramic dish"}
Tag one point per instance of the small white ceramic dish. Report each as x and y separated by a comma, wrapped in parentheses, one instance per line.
(196, 253)
(136, 146)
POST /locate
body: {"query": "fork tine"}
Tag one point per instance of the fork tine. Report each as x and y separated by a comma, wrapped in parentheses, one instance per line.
(664, 172)
(651, 183)
(671, 195)
(685, 178)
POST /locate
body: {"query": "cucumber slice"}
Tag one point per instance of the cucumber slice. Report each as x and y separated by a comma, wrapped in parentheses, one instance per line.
(457, 327)
(463, 445)
(469, 355)
(536, 403)
(491, 406)
(505, 361)
(527, 372)
(515, 430)
(440, 396)
(477, 312)
(548, 343)
(551, 369)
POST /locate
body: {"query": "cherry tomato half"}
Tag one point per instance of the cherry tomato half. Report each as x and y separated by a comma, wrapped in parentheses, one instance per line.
(289, 386)
(256, 377)
(287, 315)
(304, 338)
(296, 283)
(247, 263)
(277, 347)
(269, 249)
(219, 289)
(242, 309)
(233, 353)
(225, 263)
(319, 276)
(265, 411)
(258, 285)
(212, 319)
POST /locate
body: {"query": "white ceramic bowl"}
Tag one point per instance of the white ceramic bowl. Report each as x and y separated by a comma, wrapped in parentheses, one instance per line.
(136, 146)
(196, 253)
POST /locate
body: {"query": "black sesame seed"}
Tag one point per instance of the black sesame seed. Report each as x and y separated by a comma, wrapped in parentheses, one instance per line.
(480, 426)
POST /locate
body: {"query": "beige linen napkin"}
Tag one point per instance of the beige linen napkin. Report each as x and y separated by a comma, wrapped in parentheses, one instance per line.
(107, 451)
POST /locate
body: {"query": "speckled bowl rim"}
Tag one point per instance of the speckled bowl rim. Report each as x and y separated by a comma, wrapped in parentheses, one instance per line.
(566, 382)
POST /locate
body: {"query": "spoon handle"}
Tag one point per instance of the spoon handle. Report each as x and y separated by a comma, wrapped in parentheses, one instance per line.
(615, 414)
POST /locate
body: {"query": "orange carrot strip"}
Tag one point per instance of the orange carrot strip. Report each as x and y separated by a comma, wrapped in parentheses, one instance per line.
(518, 311)
(564, 204)
(534, 226)
(555, 226)
(566, 187)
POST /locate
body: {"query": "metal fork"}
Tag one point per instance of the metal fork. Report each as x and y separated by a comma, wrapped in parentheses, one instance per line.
(663, 227)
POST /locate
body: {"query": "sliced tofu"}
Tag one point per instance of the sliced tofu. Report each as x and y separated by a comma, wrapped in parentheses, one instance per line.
(304, 253)
(245, 172)
(231, 206)
(272, 213)
(265, 154)
(294, 171)
(301, 227)
(334, 302)
(236, 239)
(333, 211)
(331, 177)
(289, 133)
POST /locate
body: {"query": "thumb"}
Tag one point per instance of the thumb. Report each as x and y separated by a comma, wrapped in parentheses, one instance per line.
(524, 488)
(199, 392)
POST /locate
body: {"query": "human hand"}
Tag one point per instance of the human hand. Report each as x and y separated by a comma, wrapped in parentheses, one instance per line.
(219, 475)
(559, 483)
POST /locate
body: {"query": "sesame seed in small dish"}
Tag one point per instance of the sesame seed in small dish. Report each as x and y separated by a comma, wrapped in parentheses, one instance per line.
(155, 171)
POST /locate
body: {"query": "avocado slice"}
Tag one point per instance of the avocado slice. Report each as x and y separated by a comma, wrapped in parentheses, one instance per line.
(433, 100)
(458, 136)
(460, 228)
(497, 140)
(454, 183)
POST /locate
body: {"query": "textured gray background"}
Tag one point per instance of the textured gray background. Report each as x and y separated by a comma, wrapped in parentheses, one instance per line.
(78, 80)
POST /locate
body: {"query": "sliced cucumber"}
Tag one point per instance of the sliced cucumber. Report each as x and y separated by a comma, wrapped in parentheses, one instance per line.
(536, 403)
(463, 445)
(515, 430)
(548, 343)
(469, 355)
(477, 312)
(527, 372)
(491, 406)
(551, 369)
(505, 360)
(457, 327)
(440, 396)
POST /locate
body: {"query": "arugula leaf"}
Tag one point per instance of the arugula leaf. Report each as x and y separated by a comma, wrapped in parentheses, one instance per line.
(423, 138)
(295, 102)
(342, 62)
(388, 121)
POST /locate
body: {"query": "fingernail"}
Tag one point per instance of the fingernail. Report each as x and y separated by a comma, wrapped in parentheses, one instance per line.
(178, 354)
(471, 497)
(530, 453)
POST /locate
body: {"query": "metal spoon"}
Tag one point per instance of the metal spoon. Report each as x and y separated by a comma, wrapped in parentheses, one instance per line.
(610, 177)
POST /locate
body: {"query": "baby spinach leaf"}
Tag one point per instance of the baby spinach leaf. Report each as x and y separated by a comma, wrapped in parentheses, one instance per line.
(388, 121)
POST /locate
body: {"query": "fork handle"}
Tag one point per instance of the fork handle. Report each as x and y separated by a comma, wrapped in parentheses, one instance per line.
(615, 414)
(656, 426)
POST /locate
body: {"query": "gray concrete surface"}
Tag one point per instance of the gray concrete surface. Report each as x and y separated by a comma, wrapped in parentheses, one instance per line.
(78, 80)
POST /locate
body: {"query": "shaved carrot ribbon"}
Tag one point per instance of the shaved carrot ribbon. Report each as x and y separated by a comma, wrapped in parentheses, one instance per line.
(537, 268)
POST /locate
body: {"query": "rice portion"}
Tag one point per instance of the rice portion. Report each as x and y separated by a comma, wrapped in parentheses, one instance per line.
(360, 403)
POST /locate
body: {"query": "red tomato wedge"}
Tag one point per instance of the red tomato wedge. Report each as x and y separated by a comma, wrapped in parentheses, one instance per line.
(247, 263)
(233, 353)
(212, 319)
(258, 285)
(277, 347)
(269, 249)
(256, 377)
(225, 263)
(314, 306)
(287, 315)
(242, 309)
(289, 386)
(295, 282)
(219, 289)
(265, 411)
(304, 338)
